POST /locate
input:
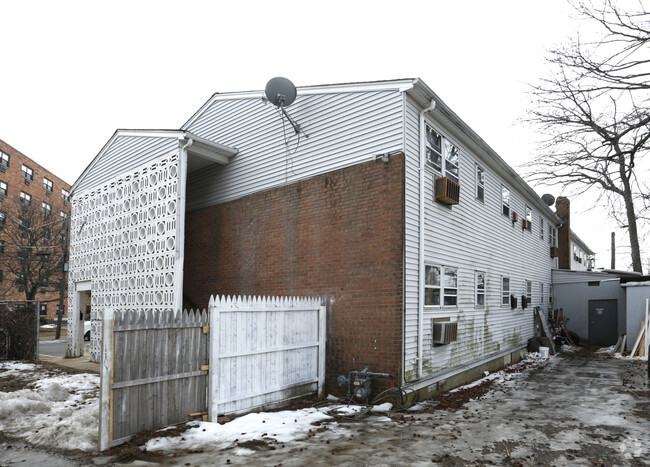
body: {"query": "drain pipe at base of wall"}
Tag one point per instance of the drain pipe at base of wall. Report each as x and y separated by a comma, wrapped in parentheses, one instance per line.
(423, 160)
(180, 224)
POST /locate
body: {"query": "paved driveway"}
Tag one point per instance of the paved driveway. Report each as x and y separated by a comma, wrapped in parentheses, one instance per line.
(576, 409)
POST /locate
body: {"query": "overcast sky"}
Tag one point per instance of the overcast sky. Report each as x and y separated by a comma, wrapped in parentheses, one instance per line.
(75, 71)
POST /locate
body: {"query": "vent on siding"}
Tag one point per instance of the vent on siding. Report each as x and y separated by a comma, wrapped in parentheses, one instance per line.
(447, 191)
(444, 333)
(553, 252)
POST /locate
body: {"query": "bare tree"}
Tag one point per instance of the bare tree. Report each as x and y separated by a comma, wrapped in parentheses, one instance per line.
(34, 251)
(595, 113)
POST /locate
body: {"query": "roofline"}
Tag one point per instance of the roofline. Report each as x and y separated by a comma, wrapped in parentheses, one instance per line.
(580, 243)
(423, 95)
(175, 134)
(399, 85)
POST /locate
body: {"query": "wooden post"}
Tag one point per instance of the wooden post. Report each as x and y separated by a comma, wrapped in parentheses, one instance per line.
(213, 360)
(322, 338)
(106, 379)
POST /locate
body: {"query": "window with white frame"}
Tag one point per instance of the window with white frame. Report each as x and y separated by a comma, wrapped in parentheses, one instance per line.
(4, 159)
(529, 292)
(47, 209)
(541, 227)
(3, 218)
(551, 235)
(479, 280)
(440, 286)
(541, 293)
(3, 189)
(64, 216)
(505, 201)
(529, 219)
(28, 173)
(480, 183)
(48, 185)
(65, 194)
(505, 291)
(25, 199)
(442, 155)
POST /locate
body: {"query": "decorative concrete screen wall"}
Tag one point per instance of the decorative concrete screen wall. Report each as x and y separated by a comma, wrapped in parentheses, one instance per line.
(123, 239)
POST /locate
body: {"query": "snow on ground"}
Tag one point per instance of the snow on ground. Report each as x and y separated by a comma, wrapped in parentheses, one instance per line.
(53, 408)
(281, 427)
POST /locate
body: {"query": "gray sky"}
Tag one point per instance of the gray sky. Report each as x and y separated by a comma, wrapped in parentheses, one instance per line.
(75, 71)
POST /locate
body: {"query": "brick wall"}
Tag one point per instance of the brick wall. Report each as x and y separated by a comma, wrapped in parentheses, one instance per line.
(339, 236)
(15, 184)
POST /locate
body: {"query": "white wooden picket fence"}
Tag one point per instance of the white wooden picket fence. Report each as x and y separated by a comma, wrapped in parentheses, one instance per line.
(245, 353)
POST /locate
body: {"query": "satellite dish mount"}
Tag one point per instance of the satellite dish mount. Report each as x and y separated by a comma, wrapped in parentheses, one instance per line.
(281, 92)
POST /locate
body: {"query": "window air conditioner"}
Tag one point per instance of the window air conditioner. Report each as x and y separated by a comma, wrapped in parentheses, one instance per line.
(3, 168)
(553, 252)
(28, 182)
(447, 191)
(444, 333)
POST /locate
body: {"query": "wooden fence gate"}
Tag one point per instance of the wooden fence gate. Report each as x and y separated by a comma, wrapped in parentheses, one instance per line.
(162, 368)
(153, 371)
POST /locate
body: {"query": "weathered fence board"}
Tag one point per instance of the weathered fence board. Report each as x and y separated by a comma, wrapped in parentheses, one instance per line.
(263, 351)
(151, 371)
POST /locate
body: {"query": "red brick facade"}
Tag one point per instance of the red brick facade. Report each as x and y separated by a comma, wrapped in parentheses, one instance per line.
(13, 177)
(339, 236)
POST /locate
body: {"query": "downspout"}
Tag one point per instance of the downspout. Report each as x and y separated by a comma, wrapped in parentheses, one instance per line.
(180, 224)
(423, 161)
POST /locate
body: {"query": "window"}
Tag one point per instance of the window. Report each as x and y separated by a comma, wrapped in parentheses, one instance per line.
(25, 199)
(46, 233)
(451, 161)
(3, 189)
(550, 293)
(505, 291)
(4, 159)
(47, 209)
(440, 286)
(65, 194)
(442, 155)
(541, 227)
(541, 293)
(434, 149)
(1, 274)
(2, 246)
(480, 288)
(551, 235)
(505, 201)
(529, 219)
(64, 216)
(47, 184)
(529, 292)
(28, 174)
(43, 310)
(3, 218)
(480, 183)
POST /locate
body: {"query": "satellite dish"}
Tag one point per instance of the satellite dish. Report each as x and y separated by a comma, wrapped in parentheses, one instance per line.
(548, 199)
(280, 92)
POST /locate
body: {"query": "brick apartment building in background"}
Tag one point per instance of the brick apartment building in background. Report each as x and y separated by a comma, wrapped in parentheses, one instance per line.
(24, 182)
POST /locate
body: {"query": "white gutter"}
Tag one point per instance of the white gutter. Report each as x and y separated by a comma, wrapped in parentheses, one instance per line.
(423, 161)
(180, 224)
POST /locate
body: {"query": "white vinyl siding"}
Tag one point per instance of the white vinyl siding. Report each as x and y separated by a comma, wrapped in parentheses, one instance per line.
(344, 130)
(120, 155)
(473, 237)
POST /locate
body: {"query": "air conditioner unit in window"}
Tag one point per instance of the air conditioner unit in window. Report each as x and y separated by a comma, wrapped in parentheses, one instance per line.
(3, 168)
(447, 191)
(524, 224)
(28, 182)
(444, 333)
(553, 252)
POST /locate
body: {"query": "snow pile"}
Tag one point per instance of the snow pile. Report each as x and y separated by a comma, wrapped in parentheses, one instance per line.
(276, 427)
(569, 349)
(60, 410)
